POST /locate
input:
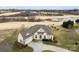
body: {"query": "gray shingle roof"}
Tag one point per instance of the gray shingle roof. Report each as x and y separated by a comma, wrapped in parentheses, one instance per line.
(34, 28)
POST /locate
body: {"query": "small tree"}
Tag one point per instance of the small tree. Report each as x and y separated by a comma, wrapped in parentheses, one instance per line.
(77, 20)
(68, 24)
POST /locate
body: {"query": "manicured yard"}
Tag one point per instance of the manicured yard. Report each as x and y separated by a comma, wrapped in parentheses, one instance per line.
(9, 44)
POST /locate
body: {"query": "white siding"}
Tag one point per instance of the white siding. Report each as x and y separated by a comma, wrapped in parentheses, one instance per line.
(52, 37)
(29, 39)
(24, 41)
(20, 38)
(42, 35)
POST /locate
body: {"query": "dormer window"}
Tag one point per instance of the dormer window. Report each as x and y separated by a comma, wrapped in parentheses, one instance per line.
(40, 32)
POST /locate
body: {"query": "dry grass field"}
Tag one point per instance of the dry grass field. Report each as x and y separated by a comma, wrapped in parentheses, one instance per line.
(9, 13)
(67, 38)
(65, 16)
(16, 25)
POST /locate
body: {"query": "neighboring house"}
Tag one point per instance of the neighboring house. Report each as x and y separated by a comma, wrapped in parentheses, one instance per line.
(36, 32)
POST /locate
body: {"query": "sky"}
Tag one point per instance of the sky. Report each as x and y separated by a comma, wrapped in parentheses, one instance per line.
(40, 7)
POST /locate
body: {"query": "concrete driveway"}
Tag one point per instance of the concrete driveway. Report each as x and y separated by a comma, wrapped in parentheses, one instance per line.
(39, 47)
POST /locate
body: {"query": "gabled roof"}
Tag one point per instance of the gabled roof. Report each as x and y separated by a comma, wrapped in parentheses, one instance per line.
(34, 28)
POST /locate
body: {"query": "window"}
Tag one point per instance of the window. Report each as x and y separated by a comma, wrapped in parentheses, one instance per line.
(40, 32)
(20, 40)
(35, 36)
(40, 36)
(44, 37)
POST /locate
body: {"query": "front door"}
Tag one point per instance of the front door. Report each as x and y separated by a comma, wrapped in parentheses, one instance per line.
(40, 37)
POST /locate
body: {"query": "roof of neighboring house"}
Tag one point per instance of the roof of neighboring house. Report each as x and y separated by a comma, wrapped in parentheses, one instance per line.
(34, 28)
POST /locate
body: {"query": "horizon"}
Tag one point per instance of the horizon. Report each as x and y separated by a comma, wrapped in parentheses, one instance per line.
(41, 7)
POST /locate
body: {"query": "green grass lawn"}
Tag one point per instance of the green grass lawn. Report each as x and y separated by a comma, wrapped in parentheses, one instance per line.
(67, 38)
(10, 43)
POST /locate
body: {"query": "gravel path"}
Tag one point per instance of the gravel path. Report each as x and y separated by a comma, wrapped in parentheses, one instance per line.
(39, 46)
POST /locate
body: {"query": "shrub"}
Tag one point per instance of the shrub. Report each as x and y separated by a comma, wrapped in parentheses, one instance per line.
(50, 40)
(68, 24)
(54, 40)
(19, 45)
(76, 43)
(77, 21)
(47, 40)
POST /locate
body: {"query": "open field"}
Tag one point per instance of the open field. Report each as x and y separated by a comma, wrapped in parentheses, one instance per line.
(15, 25)
(4, 34)
(51, 17)
(40, 16)
(10, 13)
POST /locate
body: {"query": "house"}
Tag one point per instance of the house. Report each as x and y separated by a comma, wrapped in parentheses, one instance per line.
(36, 32)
